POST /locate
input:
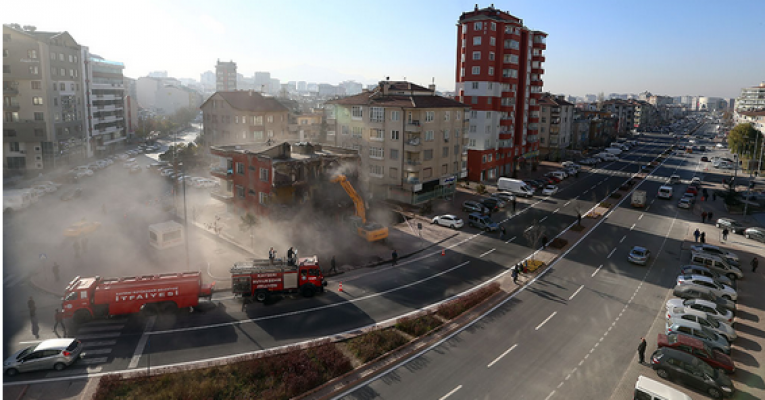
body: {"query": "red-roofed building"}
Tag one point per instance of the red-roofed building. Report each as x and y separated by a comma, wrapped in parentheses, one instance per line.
(499, 76)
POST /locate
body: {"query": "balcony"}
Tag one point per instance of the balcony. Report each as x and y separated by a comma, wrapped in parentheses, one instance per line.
(413, 126)
(222, 195)
(538, 71)
(412, 145)
(13, 106)
(412, 165)
(223, 173)
(11, 88)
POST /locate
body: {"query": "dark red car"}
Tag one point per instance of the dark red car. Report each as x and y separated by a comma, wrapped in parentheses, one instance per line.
(552, 178)
(697, 348)
(693, 190)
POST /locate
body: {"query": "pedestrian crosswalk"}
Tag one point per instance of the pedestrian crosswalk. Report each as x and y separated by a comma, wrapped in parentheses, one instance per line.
(13, 280)
(98, 341)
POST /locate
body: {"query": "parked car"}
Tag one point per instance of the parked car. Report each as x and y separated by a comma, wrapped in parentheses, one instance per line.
(474, 206)
(695, 292)
(493, 203)
(732, 225)
(49, 354)
(713, 310)
(693, 329)
(549, 190)
(732, 258)
(704, 271)
(504, 196)
(691, 371)
(554, 179)
(449, 221)
(685, 202)
(755, 233)
(693, 190)
(718, 289)
(482, 222)
(698, 349)
(704, 159)
(703, 319)
(639, 255)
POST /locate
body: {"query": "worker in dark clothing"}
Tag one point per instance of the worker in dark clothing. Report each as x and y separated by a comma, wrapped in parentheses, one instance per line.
(710, 215)
(32, 307)
(394, 257)
(59, 316)
(641, 350)
(55, 270)
(755, 264)
(725, 234)
(333, 265)
(290, 256)
(514, 274)
(501, 232)
(513, 204)
(702, 237)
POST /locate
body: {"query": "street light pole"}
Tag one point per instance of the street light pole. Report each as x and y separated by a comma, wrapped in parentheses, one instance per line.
(185, 216)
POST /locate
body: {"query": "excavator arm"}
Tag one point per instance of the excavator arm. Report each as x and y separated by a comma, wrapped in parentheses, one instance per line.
(357, 200)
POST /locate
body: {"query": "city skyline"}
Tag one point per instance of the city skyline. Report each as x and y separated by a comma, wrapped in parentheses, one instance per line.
(592, 47)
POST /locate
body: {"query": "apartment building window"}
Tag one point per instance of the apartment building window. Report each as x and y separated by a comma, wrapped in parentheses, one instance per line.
(270, 119)
(477, 26)
(445, 151)
(428, 155)
(37, 100)
(329, 133)
(491, 70)
(429, 136)
(462, 71)
(494, 26)
(475, 70)
(9, 133)
(395, 115)
(39, 116)
(476, 41)
(236, 119)
(36, 85)
(394, 135)
(240, 191)
(257, 120)
(476, 55)
(62, 71)
(257, 135)
(492, 41)
(474, 100)
(446, 135)
(510, 73)
(475, 85)
(34, 70)
(61, 56)
(444, 169)
(512, 44)
(456, 149)
(456, 167)
(6, 37)
(447, 115)
(377, 134)
(473, 114)
(394, 154)
(458, 115)
(427, 173)
(456, 133)
(472, 143)
(14, 146)
(358, 132)
(357, 112)
(463, 43)
(262, 198)
(491, 56)
(240, 168)
(377, 114)
(430, 116)
(264, 174)
(32, 54)
(344, 130)
(376, 171)
(377, 153)
(271, 133)
(473, 129)
(393, 172)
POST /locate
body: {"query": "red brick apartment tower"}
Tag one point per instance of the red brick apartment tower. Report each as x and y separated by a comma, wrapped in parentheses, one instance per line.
(499, 75)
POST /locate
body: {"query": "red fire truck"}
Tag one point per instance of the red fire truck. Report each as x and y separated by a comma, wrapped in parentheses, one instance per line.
(261, 278)
(96, 297)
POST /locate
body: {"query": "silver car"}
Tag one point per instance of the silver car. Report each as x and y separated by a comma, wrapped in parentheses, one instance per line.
(700, 317)
(50, 354)
(713, 310)
(693, 329)
(732, 258)
(726, 292)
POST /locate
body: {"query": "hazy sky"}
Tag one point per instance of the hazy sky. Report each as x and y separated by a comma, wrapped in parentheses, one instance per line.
(670, 47)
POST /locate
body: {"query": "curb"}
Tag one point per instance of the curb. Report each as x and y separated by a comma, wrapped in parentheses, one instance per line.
(42, 289)
(387, 260)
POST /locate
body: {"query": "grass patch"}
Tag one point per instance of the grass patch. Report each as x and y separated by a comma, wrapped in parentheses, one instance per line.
(604, 204)
(459, 305)
(577, 228)
(615, 195)
(371, 345)
(418, 326)
(274, 377)
(558, 243)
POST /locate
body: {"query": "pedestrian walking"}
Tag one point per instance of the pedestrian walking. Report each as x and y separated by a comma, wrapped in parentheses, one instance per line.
(394, 258)
(55, 270)
(333, 265)
(725, 234)
(641, 350)
(271, 255)
(544, 242)
(518, 268)
(702, 237)
(35, 328)
(32, 307)
(755, 263)
(59, 317)
(513, 204)
(710, 216)
(704, 217)
(501, 232)
(514, 274)
(696, 235)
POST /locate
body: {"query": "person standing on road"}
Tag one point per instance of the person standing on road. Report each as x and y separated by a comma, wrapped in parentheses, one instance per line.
(702, 237)
(59, 316)
(755, 263)
(333, 265)
(641, 350)
(514, 274)
(32, 307)
(55, 270)
(725, 234)
(696, 235)
(703, 217)
(394, 258)
(513, 204)
(501, 232)
(710, 216)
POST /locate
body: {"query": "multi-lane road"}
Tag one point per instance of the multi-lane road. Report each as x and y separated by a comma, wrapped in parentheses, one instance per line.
(591, 299)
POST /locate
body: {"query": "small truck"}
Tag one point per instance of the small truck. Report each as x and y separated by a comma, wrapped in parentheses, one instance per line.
(260, 279)
(97, 297)
(638, 198)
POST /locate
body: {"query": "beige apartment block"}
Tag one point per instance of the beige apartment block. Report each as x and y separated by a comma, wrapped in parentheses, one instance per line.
(244, 117)
(410, 140)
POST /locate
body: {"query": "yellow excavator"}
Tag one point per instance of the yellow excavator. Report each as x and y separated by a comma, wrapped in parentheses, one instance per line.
(370, 231)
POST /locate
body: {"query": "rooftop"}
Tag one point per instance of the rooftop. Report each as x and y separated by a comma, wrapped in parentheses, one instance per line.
(249, 101)
(399, 94)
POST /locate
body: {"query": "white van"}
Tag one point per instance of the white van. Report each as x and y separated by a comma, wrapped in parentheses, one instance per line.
(649, 389)
(559, 174)
(614, 151)
(16, 200)
(515, 186)
(665, 192)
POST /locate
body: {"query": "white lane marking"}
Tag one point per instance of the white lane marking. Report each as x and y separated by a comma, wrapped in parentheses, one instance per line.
(611, 253)
(88, 361)
(585, 192)
(592, 187)
(543, 219)
(451, 393)
(550, 395)
(93, 352)
(528, 229)
(99, 344)
(511, 239)
(623, 237)
(142, 342)
(75, 371)
(640, 217)
(545, 321)
(596, 271)
(501, 355)
(567, 203)
(577, 292)
(98, 336)
(632, 227)
(100, 328)
(556, 210)
(486, 253)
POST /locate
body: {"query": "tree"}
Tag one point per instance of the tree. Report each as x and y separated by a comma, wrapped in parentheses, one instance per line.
(741, 140)
(248, 224)
(533, 234)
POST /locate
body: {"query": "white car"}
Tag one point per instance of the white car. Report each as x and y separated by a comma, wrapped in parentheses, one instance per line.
(123, 156)
(449, 221)
(504, 196)
(703, 319)
(39, 190)
(710, 308)
(718, 289)
(82, 171)
(129, 163)
(51, 184)
(549, 190)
